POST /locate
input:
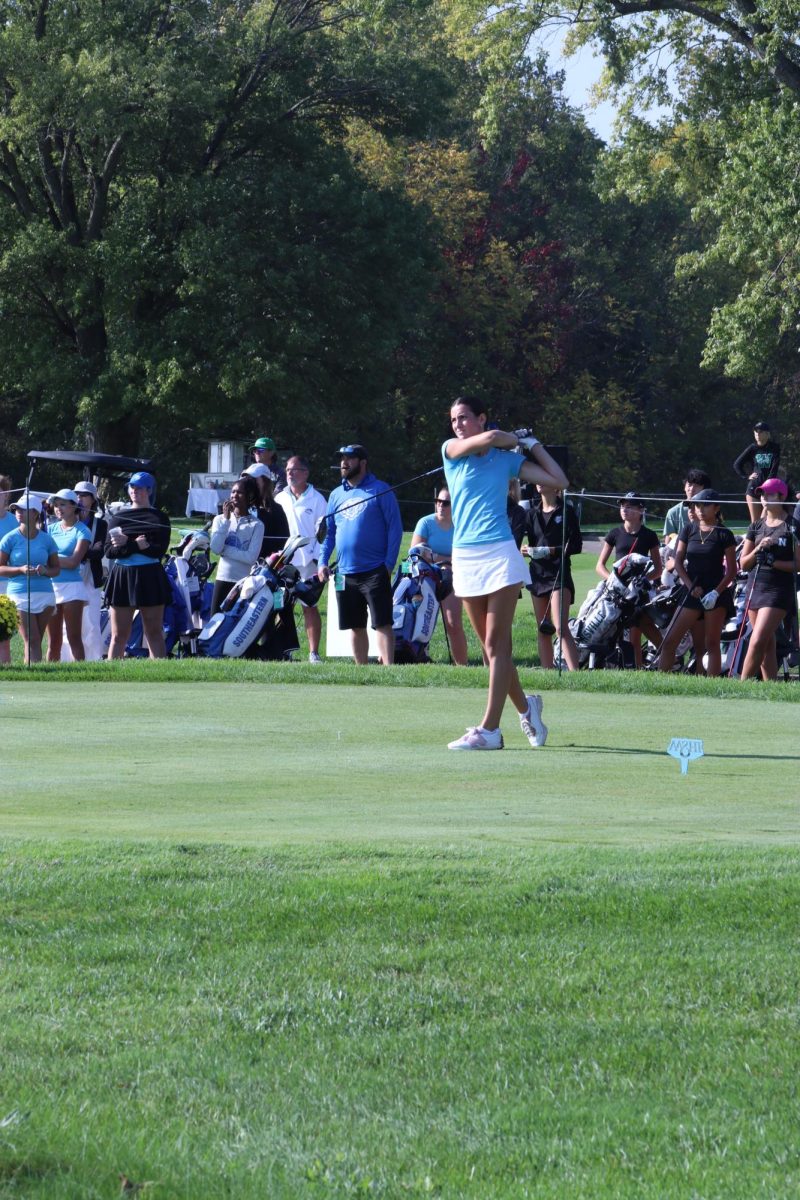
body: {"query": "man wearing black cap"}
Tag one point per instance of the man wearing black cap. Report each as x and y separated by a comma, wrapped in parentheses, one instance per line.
(363, 523)
(758, 462)
(264, 452)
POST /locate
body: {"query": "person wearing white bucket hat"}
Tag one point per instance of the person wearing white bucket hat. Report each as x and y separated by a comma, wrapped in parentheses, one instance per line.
(29, 561)
(73, 539)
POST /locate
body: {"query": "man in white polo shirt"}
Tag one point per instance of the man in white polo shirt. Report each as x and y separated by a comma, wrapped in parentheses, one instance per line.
(304, 508)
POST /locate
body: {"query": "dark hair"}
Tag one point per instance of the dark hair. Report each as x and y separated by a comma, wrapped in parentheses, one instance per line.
(475, 405)
(304, 463)
(251, 493)
(696, 476)
(5, 483)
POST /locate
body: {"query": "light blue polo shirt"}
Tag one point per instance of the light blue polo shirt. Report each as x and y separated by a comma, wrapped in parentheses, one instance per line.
(478, 485)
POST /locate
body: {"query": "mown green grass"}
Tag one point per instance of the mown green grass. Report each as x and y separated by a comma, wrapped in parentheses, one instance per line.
(456, 1022)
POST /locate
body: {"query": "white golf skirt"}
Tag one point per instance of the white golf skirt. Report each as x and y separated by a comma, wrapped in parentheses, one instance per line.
(67, 592)
(39, 601)
(481, 570)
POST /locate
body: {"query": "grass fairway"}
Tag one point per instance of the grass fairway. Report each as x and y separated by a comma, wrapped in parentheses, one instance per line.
(298, 764)
(276, 941)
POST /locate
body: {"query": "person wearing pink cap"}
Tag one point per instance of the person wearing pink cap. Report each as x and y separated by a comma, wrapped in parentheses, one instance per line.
(770, 546)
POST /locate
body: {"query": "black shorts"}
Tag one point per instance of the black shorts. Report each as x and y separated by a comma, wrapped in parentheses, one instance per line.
(138, 587)
(367, 590)
(544, 587)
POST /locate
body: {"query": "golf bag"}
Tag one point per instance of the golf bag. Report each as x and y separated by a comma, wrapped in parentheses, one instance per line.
(608, 611)
(257, 618)
(189, 564)
(418, 590)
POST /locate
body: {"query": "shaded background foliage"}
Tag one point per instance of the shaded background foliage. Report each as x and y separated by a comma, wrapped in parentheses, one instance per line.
(324, 221)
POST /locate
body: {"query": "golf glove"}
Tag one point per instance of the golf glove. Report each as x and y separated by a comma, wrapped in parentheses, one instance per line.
(538, 552)
(527, 443)
(710, 599)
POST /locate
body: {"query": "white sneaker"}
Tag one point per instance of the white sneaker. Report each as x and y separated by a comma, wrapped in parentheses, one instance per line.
(477, 738)
(532, 724)
(314, 657)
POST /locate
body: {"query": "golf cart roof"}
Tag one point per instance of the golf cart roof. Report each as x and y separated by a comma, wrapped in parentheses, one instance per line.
(109, 465)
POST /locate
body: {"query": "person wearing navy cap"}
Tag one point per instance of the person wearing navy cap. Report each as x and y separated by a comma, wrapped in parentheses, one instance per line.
(138, 538)
(367, 537)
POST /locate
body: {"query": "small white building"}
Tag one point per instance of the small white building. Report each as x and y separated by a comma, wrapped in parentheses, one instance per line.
(227, 458)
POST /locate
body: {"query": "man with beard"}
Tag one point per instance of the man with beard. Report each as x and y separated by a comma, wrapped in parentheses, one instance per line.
(363, 523)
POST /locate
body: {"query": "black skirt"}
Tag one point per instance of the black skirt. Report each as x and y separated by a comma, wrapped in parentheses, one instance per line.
(772, 595)
(138, 587)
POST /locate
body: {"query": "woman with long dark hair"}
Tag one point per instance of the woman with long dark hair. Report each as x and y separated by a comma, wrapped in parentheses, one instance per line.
(488, 569)
(551, 525)
(236, 536)
(771, 547)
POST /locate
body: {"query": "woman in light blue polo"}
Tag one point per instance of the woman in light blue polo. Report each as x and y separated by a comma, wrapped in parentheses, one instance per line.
(435, 534)
(29, 563)
(8, 523)
(488, 569)
(73, 539)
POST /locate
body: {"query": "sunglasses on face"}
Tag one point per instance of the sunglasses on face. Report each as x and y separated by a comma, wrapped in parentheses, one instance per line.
(444, 503)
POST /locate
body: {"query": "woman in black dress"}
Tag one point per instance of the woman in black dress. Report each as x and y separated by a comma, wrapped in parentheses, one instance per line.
(770, 545)
(705, 562)
(138, 538)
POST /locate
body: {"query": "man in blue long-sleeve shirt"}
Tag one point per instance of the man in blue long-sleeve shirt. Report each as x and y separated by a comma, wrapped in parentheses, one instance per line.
(364, 524)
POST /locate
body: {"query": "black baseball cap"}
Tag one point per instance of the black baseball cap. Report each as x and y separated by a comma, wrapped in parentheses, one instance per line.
(352, 450)
(707, 496)
(631, 499)
(761, 427)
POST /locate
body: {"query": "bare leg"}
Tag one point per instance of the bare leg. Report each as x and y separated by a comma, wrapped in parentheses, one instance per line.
(754, 508)
(761, 653)
(384, 635)
(313, 624)
(32, 627)
(559, 608)
(73, 619)
(121, 622)
(359, 640)
(55, 635)
(541, 607)
(451, 615)
(713, 621)
(684, 621)
(491, 618)
(5, 653)
(153, 626)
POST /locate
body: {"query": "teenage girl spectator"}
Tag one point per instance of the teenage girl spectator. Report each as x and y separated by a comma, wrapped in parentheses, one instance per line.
(548, 525)
(236, 536)
(8, 523)
(517, 515)
(678, 516)
(138, 538)
(72, 538)
(633, 537)
(270, 514)
(29, 562)
(488, 569)
(92, 567)
(705, 562)
(435, 532)
(771, 547)
(759, 461)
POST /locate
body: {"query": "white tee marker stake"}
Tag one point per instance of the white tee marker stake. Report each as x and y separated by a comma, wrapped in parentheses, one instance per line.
(686, 750)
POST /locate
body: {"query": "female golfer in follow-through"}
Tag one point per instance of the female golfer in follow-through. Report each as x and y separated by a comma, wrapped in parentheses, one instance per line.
(488, 569)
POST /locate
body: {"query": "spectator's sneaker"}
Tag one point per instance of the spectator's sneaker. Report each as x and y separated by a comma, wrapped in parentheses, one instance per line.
(478, 739)
(532, 724)
(314, 657)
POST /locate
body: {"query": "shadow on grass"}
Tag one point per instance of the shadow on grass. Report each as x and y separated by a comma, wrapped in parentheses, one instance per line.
(584, 748)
